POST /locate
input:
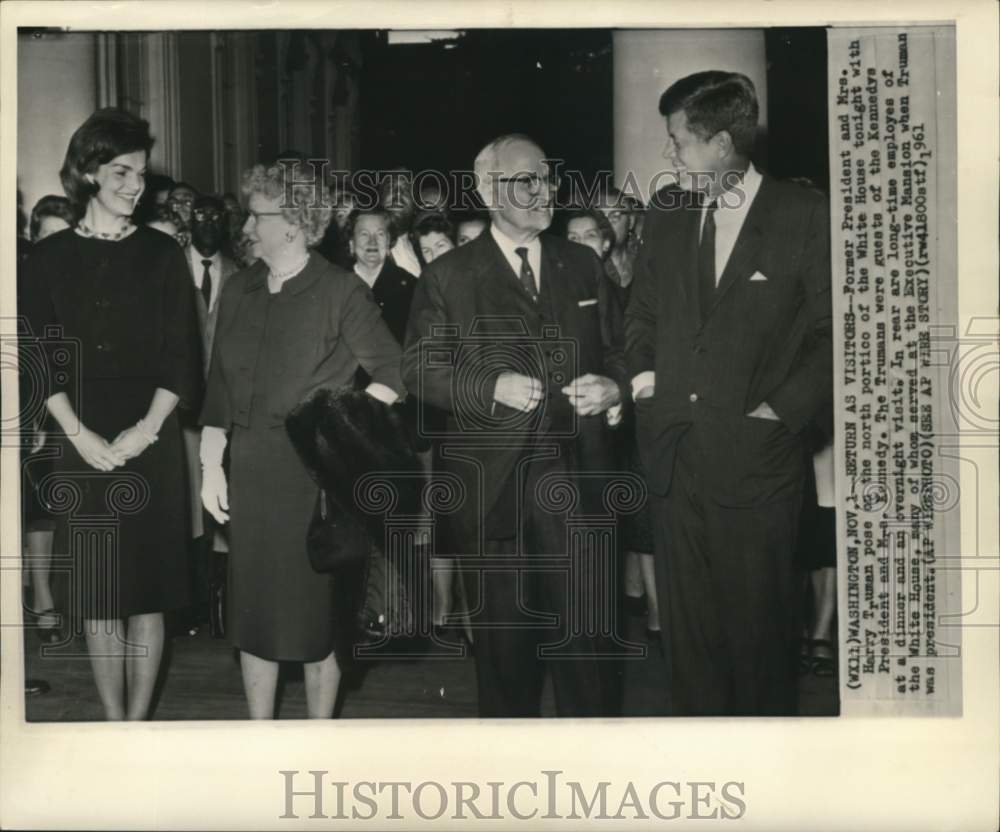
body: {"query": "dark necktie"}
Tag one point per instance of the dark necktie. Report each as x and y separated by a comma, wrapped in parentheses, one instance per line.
(526, 275)
(206, 283)
(706, 261)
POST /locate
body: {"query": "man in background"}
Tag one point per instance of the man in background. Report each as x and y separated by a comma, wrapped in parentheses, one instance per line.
(210, 269)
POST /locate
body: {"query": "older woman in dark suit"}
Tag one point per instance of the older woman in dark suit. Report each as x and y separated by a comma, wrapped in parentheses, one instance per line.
(288, 325)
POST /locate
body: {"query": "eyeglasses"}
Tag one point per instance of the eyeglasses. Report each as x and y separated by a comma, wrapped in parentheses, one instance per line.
(256, 215)
(532, 182)
(209, 214)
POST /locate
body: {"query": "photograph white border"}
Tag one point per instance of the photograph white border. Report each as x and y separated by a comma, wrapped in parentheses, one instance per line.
(816, 773)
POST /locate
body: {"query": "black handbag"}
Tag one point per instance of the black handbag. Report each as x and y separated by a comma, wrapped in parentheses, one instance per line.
(217, 591)
(335, 538)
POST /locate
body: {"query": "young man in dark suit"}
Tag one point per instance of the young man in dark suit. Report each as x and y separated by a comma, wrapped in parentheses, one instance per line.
(508, 335)
(210, 269)
(729, 348)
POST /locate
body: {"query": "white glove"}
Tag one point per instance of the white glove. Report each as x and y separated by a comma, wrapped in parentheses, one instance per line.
(214, 489)
(215, 493)
(384, 394)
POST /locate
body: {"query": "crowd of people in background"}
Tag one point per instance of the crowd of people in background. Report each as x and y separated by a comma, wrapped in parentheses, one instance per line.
(272, 318)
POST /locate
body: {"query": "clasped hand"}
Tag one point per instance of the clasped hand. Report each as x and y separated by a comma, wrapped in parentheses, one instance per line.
(96, 452)
(518, 392)
(130, 443)
(589, 394)
(592, 394)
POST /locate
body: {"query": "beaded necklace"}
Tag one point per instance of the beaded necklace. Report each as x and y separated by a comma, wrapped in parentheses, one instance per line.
(85, 230)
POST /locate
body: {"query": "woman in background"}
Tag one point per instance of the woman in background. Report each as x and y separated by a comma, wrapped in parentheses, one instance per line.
(288, 325)
(50, 214)
(432, 235)
(590, 227)
(624, 213)
(123, 293)
(163, 218)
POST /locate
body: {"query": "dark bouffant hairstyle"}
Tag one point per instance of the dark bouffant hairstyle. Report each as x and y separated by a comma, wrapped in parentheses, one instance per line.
(430, 222)
(108, 133)
(50, 206)
(714, 101)
(603, 225)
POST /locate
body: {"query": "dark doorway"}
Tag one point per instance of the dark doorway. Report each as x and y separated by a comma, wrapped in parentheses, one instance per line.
(796, 104)
(435, 105)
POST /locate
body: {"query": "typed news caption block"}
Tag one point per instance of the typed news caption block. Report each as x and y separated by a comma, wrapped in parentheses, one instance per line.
(892, 156)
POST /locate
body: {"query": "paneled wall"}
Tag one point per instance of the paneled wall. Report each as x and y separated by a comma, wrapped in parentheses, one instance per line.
(56, 91)
(216, 101)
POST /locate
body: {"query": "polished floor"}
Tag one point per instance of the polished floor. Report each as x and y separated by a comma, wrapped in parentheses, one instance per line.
(201, 681)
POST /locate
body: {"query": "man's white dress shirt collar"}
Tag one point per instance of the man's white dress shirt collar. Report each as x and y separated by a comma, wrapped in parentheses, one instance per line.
(508, 248)
(733, 207)
(198, 271)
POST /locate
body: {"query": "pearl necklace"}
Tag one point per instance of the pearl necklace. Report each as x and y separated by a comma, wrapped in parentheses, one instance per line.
(86, 231)
(276, 279)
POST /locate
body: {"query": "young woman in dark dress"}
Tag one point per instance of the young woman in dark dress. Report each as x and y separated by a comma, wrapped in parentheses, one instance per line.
(123, 294)
(288, 325)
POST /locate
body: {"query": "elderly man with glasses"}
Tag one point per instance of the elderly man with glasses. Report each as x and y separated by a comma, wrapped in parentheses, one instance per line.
(509, 336)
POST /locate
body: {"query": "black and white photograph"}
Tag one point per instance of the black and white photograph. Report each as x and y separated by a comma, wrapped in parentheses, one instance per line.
(607, 391)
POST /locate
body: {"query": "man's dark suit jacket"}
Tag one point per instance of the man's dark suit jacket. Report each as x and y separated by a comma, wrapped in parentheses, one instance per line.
(767, 338)
(207, 319)
(393, 292)
(192, 433)
(483, 323)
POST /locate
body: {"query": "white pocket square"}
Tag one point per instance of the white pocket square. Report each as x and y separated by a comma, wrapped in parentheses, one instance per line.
(588, 302)
(757, 276)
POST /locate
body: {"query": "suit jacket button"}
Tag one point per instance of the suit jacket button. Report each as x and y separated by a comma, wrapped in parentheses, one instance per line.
(693, 397)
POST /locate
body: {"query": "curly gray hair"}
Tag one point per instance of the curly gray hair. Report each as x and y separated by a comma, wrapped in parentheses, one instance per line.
(306, 204)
